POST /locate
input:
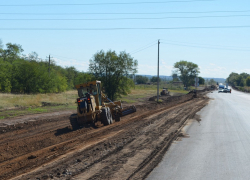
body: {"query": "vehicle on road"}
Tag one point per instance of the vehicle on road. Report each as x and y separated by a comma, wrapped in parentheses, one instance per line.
(220, 90)
(221, 86)
(225, 90)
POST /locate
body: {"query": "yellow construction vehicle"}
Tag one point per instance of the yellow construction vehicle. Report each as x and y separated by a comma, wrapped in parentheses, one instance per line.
(164, 91)
(93, 105)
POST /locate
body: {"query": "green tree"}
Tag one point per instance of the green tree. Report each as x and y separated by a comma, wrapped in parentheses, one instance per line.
(175, 76)
(232, 79)
(240, 81)
(84, 78)
(212, 82)
(11, 52)
(141, 79)
(154, 79)
(244, 75)
(33, 56)
(248, 81)
(71, 74)
(113, 70)
(5, 76)
(201, 80)
(187, 72)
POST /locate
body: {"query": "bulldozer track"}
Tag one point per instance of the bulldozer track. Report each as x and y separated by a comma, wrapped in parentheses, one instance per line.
(52, 150)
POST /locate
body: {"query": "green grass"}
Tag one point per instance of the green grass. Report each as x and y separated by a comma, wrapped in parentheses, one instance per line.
(13, 105)
(179, 91)
(40, 110)
(127, 100)
(159, 101)
(8, 100)
(37, 110)
(142, 91)
(137, 94)
(24, 104)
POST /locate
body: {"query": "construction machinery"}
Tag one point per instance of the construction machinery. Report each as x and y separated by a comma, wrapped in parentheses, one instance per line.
(93, 105)
(164, 92)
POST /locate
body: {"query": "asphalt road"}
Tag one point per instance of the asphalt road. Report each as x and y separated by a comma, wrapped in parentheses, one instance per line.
(217, 147)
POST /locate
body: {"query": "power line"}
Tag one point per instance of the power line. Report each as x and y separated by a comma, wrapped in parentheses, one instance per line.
(168, 41)
(124, 18)
(63, 57)
(129, 13)
(206, 47)
(97, 4)
(144, 48)
(113, 29)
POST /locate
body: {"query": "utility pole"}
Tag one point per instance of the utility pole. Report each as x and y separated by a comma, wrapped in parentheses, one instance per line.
(49, 63)
(196, 81)
(134, 80)
(158, 71)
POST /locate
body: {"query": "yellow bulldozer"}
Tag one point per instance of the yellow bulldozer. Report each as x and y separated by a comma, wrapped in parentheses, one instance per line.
(93, 105)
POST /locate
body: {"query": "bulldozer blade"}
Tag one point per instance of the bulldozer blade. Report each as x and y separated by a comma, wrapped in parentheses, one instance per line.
(129, 110)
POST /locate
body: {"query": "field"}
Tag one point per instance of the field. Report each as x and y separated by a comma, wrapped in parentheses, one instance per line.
(12, 105)
(8, 100)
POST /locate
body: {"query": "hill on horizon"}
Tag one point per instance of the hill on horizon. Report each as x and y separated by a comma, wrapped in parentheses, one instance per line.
(169, 78)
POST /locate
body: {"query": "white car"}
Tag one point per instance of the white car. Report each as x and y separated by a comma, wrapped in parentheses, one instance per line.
(220, 90)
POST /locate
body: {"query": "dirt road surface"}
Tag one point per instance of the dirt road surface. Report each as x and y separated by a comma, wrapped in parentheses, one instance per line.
(130, 149)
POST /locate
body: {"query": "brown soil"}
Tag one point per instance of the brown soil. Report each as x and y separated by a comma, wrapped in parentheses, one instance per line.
(48, 149)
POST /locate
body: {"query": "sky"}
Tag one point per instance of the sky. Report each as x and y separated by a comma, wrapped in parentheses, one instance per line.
(215, 34)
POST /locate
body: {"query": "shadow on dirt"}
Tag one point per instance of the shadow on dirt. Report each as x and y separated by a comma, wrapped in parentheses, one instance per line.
(68, 129)
(63, 131)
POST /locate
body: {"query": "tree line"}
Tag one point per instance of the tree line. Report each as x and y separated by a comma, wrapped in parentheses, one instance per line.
(235, 79)
(184, 72)
(30, 74)
(139, 79)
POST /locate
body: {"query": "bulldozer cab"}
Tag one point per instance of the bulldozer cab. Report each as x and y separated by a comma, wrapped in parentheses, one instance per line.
(90, 88)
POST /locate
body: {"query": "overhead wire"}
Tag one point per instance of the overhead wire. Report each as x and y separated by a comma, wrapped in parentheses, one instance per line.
(231, 49)
(129, 13)
(105, 19)
(144, 48)
(114, 3)
(113, 29)
(169, 41)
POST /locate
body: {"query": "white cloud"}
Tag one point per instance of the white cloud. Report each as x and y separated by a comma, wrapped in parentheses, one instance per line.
(213, 70)
(245, 70)
(152, 70)
(79, 65)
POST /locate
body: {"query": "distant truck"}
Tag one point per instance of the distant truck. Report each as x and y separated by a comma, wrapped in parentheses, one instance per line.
(221, 86)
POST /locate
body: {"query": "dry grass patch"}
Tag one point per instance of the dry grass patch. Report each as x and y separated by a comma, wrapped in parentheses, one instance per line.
(25, 100)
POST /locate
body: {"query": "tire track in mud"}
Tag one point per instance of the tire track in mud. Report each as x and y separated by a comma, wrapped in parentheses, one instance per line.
(116, 151)
(140, 149)
(155, 157)
(18, 146)
(67, 146)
